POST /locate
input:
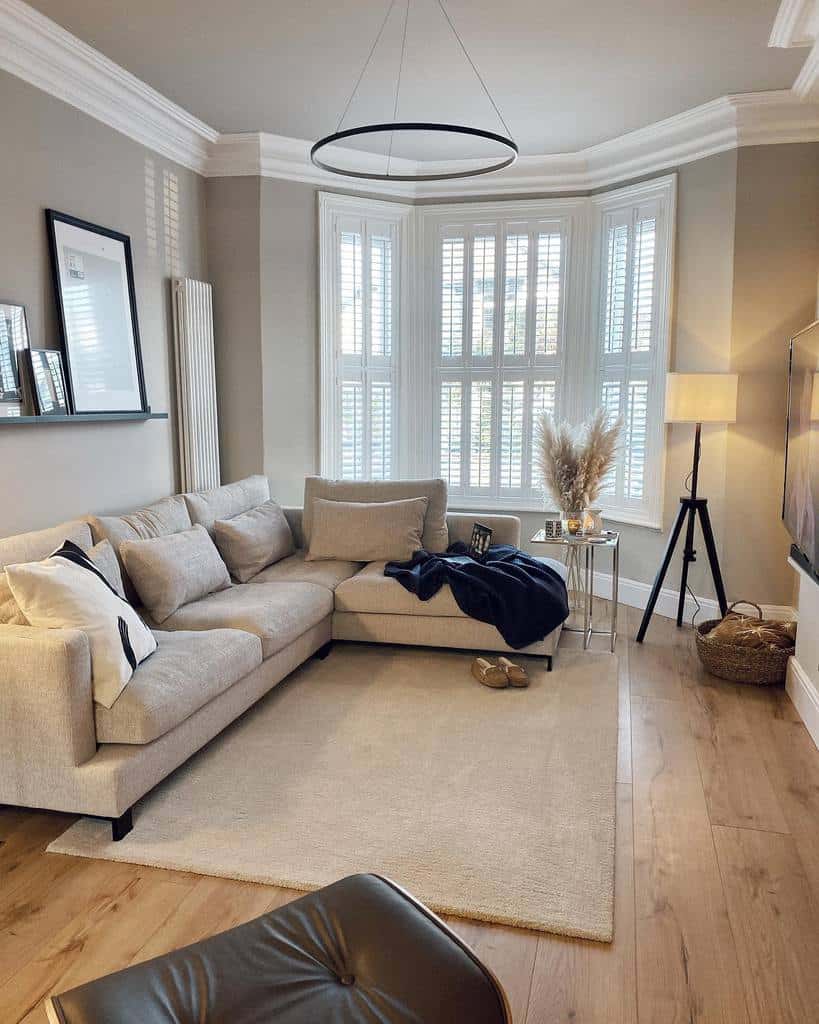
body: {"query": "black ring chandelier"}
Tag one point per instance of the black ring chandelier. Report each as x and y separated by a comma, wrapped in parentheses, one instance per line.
(396, 127)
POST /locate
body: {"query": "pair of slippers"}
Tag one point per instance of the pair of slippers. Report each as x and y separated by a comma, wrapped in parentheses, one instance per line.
(499, 676)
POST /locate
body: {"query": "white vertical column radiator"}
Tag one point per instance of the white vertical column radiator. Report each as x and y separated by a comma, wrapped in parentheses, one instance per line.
(195, 385)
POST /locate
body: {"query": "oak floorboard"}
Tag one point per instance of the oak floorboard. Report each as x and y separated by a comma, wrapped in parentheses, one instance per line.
(687, 968)
(584, 982)
(656, 666)
(775, 921)
(99, 941)
(792, 763)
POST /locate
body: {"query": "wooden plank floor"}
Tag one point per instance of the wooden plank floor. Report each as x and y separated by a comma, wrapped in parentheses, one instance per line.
(717, 899)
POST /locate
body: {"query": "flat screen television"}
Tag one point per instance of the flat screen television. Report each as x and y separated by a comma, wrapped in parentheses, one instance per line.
(800, 508)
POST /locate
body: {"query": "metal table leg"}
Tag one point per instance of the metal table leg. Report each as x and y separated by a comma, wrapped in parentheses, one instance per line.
(615, 595)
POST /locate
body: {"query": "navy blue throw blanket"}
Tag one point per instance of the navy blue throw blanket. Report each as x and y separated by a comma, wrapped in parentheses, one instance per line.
(523, 597)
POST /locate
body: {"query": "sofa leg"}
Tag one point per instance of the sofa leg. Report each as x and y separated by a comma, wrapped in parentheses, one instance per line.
(322, 652)
(548, 663)
(121, 826)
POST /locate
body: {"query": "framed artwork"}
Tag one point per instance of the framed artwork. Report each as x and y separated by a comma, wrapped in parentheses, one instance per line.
(47, 382)
(94, 285)
(13, 341)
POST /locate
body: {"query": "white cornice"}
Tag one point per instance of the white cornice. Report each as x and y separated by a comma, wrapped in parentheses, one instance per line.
(41, 52)
(795, 24)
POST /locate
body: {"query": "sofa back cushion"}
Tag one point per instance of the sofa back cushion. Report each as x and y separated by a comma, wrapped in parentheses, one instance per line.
(435, 536)
(174, 570)
(357, 531)
(164, 517)
(32, 547)
(253, 540)
(206, 507)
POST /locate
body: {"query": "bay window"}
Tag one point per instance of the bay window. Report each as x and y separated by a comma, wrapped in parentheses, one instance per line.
(447, 331)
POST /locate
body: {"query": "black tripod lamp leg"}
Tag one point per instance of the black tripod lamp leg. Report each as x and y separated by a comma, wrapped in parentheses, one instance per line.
(713, 558)
(688, 558)
(658, 582)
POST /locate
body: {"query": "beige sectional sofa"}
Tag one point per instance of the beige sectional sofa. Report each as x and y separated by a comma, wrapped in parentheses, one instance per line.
(216, 656)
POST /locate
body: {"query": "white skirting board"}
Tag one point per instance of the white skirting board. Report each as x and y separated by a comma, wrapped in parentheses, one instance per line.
(635, 594)
(805, 697)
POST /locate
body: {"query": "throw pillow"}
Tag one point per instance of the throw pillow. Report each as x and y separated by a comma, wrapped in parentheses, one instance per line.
(253, 540)
(355, 531)
(67, 591)
(102, 556)
(174, 570)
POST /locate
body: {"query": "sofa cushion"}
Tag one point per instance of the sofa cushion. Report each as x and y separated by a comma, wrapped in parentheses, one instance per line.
(205, 507)
(372, 591)
(174, 570)
(39, 544)
(362, 531)
(327, 573)
(436, 535)
(169, 515)
(278, 613)
(253, 540)
(187, 671)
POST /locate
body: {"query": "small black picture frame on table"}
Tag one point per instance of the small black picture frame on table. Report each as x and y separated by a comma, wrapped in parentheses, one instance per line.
(481, 539)
(93, 278)
(47, 381)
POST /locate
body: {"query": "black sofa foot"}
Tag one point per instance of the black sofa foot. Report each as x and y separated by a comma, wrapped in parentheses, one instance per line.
(548, 663)
(322, 652)
(121, 826)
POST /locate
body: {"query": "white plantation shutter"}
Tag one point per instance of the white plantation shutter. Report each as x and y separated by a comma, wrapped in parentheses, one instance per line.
(360, 257)
(632, 351)
(501, 286)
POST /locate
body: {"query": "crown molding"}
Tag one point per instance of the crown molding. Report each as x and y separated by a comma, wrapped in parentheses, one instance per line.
(751, 119)
(795, 24)
(36, 49)
(41, 52)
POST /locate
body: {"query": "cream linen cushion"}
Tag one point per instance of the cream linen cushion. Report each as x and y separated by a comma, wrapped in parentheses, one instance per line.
(174, 570)
(66, 591)
(253, 540)
(355, 531)
(436, 534)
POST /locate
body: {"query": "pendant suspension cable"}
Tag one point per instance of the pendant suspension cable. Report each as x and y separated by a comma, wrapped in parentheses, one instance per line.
(398, 84)
(366, 64)
(474, 68)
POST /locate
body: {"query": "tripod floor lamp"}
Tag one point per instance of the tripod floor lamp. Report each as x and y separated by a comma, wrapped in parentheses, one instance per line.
(693, 398)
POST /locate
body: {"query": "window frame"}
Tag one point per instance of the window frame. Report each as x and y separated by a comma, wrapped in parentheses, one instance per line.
(337, 214)
(417, 366)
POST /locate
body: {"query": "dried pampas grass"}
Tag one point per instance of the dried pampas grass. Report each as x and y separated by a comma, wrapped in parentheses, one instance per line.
(573, 464)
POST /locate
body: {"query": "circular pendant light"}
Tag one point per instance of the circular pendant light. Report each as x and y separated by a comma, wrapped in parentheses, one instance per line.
(396, 127)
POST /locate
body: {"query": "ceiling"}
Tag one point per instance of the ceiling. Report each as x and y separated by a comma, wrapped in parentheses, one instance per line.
(566, 74)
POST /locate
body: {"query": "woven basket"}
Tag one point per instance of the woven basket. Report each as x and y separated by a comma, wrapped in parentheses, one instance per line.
(759, 666)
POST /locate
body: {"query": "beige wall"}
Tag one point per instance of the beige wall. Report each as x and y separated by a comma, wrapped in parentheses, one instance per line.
(233, 233)
(55, 156)
(777, 253)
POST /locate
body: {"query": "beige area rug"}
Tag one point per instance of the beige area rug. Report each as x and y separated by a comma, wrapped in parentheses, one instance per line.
(490, 804)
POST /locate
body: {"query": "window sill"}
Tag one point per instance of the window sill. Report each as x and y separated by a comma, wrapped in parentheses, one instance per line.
(522, 507)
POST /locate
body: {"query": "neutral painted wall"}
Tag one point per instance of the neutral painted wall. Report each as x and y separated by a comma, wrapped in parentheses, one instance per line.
(55, 156)
(774, 295)
(233, 233)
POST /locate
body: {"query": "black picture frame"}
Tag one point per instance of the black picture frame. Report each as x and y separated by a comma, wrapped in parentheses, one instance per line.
(76, 405)
(480, 541)
(47, 381)
(11, 381)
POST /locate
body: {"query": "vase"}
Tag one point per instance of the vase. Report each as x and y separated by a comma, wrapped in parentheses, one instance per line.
(572, 522)
(592, 522)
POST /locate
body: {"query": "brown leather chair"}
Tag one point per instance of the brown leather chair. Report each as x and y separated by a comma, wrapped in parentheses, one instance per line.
(360, 951)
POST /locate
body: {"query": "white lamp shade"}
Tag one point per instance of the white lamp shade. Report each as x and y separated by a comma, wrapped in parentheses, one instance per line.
(700, 397)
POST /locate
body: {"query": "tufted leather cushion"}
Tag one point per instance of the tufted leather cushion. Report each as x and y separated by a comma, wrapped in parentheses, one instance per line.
(360, 951)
